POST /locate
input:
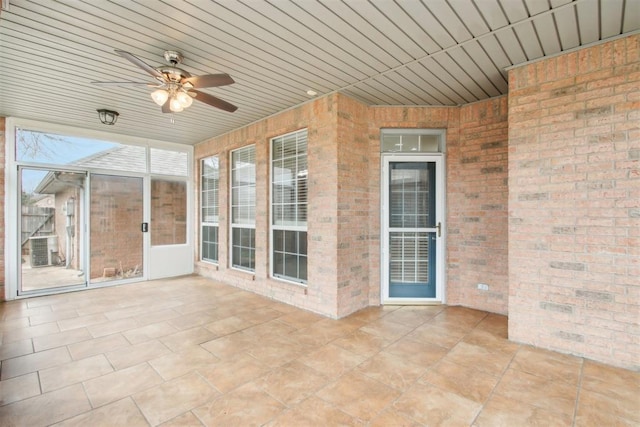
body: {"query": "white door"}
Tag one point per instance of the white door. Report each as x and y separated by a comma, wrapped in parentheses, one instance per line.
(170, 249)
(412, 229)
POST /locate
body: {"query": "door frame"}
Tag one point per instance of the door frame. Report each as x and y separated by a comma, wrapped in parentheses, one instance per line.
(12, 205)
(439, 160)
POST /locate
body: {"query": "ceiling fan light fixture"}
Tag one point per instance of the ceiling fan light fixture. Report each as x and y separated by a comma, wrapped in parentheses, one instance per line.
(108, 117)
(175, 105)
(184, 99)
(160, 96)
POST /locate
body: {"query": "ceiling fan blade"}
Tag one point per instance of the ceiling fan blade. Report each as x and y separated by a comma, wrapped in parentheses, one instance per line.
(140, 63)
(124, 84)
(166, 108)
(208, 80)
(213, 101)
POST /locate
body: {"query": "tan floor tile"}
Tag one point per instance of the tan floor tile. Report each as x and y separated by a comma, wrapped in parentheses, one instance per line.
(501, 411)
(121, 413)
(74, 372)
(184, 339)
(119, 384)
(188, 419)
(414, 316)
(15, 323)
(245, 406)
(491, 342)
(167, 401)
(190, 321)
(292, 383)
(177, 364)
(362, 343)
(393, 418)
(130, 356)
(460, 317)
(156, 316)
(369, 314)
(229, 374)
(597, 376)
(622, 405)
(82, 321)
(60, 339)
(418, 353)
(464, 381)
(315, 412)
(556, 396)
(96, 346)
(149, 332)
(46, 409)
(229, 346)
(332, 361)
(446, 337)
(260, 315)
(358, 395)
(227, 326)
(300, 319)
(495, 324)
(34, 362)
(21, 334)
(589, 417)
(277, 351)
(432, 406)
(548, 364)
(52, 316)
(19, 388)
(15, 349)
(387, 329)
(12, 310)
(112, 327)
(479, 358)
(270, 329)
(391, 370)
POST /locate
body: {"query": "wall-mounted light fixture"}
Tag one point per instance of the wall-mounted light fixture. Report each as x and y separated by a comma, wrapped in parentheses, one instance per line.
(108, 117)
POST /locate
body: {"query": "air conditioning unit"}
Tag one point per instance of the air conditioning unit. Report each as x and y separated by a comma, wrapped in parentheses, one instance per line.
(44, 250)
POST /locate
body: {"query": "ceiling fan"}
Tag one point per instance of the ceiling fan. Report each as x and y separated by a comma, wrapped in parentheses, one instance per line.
(176, 88)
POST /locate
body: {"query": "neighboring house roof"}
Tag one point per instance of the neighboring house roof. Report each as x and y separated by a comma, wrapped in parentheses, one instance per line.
(127, 158)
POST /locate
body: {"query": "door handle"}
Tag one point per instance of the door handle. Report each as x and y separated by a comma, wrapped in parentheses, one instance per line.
(439, 227)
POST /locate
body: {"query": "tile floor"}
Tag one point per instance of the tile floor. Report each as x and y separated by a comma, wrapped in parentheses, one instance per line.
(193, 352)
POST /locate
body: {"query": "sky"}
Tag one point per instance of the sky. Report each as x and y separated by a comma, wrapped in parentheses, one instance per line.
(55, 150)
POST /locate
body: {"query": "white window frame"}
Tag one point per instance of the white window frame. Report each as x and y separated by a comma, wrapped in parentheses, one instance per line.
(286, 227)
(233, 225)
(216, 206)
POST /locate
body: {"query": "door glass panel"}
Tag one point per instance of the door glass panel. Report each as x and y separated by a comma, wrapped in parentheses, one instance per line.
(168, 212)
(116, 238)
(51, 209)
(412, 216)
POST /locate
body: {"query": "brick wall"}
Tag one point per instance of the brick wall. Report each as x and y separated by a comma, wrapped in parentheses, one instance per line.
(344, 202)
(354, 210)
(574, 203)
(168, 212)
(319, 117)
(116, 214)
(477, 197)
(2, 231)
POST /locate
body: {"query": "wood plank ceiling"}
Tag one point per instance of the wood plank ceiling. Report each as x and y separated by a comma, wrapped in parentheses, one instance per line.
(381, 52)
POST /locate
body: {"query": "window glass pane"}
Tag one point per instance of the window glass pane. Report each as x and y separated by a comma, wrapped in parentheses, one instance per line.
(243, 207)
(289, 206)
(412, 141)
(168, 162)
(209, 184)
(210, 243)
(48, 148)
